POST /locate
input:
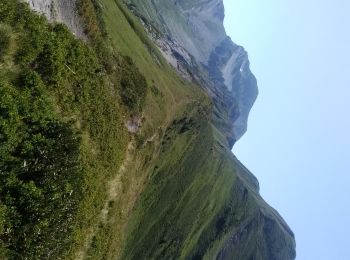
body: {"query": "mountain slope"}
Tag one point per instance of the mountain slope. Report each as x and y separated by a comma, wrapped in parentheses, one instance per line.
(190, 204)
(168, 189)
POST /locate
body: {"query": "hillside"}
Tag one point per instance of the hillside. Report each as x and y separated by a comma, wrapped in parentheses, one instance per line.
(108, 152)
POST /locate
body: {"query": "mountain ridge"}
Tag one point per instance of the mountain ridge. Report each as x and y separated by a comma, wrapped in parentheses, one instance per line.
(198, 28)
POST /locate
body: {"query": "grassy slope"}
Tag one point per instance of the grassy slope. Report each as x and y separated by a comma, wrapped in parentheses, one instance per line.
(169, 97)
(196, 195)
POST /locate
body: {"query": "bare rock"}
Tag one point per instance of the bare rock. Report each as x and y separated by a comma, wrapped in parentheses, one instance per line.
(62, 11)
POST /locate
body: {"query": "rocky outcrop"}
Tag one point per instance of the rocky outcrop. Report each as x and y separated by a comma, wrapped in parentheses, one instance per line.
(62, 11)
(197, 26)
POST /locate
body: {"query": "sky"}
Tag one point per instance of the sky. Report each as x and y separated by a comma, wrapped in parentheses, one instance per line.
(298, 139)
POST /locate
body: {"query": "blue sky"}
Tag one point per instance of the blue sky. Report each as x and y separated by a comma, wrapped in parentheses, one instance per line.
(298, 139)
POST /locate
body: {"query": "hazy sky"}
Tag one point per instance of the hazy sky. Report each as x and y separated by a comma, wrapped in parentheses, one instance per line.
(298, 139)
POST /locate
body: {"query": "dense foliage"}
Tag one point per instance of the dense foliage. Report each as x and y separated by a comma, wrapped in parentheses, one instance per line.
(40, 182)
(62, 133)
(5, 41)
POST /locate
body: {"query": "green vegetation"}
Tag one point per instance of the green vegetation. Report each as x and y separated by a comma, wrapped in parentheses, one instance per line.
(5, 41)
(133, 86)
(74, 182)
(40, 175)
(168, 98)
(196, 195)
(62, 135)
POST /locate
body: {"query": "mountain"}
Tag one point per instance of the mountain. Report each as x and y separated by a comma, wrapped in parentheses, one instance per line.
(116, 134)
(197, 28)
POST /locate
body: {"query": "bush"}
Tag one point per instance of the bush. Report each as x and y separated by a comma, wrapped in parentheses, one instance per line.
(40, 179)
(35, 33)
(51, 61)
(5, 41)
(7, 10)
(133, 86)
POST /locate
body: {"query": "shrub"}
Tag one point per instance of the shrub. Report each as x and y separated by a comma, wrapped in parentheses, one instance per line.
(5, 41)
(7, 10)
(40, 178)
(133, 86)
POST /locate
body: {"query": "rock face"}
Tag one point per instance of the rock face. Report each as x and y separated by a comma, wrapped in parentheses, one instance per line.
(229, 70)
(200, 30)
(62, 11)
(206, 54)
